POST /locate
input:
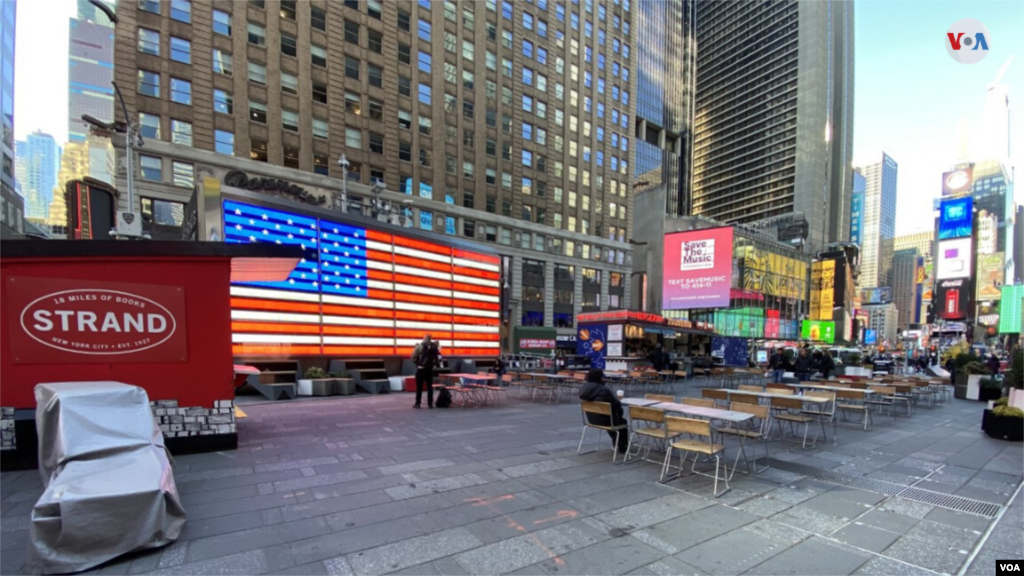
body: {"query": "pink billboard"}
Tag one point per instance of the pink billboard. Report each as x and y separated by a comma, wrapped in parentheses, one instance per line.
(697, 269)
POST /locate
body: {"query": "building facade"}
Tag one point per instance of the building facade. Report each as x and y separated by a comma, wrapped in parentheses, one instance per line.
(773, 113)
(475, 114)
(884, 320)
(12, 205)
(36, 167)
(905, 287)
(923, 242)
(879, 222)
(90, 70)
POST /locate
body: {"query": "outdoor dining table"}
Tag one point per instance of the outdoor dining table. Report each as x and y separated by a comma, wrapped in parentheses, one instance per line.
(802, 385)
(473, 386)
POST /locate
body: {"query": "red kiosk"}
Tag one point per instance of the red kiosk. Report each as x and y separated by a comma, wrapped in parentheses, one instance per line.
(154, 314)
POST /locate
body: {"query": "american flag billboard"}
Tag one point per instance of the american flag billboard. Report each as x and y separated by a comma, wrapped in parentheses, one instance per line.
(360, 291)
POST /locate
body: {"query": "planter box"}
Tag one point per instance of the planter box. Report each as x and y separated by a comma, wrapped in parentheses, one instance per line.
(987, 394)
(397, 383)
(1017, 398)
(305, 387)
(974, 386)
(1002, 427)
(960, 392)
(856, 371)
(344, 386)
(410, 383)
(323, 387)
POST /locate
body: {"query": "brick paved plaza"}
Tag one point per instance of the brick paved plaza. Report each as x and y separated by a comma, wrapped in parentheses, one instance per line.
(369, 486)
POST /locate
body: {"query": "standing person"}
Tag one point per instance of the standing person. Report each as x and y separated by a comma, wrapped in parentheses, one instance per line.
(802, 366)
(500, 368)
(827, 364)
(426, 357)
(595, 391)
(993, 364)
(777, 365)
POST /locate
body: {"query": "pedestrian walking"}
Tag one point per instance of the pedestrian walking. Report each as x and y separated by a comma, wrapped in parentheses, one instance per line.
(426, 356)
(802, 366)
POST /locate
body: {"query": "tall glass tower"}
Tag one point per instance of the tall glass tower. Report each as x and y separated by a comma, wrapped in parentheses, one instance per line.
(879, 222)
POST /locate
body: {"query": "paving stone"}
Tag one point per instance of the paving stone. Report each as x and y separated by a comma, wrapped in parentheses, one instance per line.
(415, 466)
(907, 507)
(887, 520)
(958, 519)
(223, 545)
(521, 522)
(840, 507)
(790, 495)
(776, 531)
(700, 525)
(616, 556)
(411, 552)
(1007, 538)
(642, 514)
(927, 554)
(984, 563)
(320, 480)
(348, 541)
(733, 552)
(338, 567)
(856, 495)
(251, 562)
(314, 507)
(866, 537)
(810, 520)
(619, 497)
(535, 548)
(882, 566)
(538, 467)
(295, 464)
(314, 569)
(387, 510)
(814, 556)
(671, 566)
(945, 535)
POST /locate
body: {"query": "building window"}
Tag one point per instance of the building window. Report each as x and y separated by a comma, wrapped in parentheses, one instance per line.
(425, 125)
(353, 103)
(222, 23)
(163, 212)
(181, 10)
(151, 168)
(149, 41)
(317, 18)
(319, 92)
(288, 46)
(374, 9)
(319, 128)
(288, 9)
(183, 174)
(149, 83)
(424, 62)
(424, 157)
(152, 6)
(403, 21)
(404, 120)
(291, 157)
(223, 102)
(289, 83)
(354, 138)
(375, 41)
(181, 50)
(404, 53)
(469, 228)
(257, 73)
(376, 110)
(181, 132)
(352, 67)
(320, 164)
(404, 86)
(375, 74)
(257, 34)
(223, 63)
(181, 91)
(149, 125)
(257, 112)
(376, 143)
(258, 150)
(424, 94)
(318, 55)
(290, 120)
(351, 32)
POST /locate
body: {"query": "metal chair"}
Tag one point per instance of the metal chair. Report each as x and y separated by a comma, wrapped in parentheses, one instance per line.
(700, 429)
(601, 409)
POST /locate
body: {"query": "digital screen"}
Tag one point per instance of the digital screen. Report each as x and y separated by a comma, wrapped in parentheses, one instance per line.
(1010, 309)
(818, 331)
(954, 259)
(870, 336)
(955, 218)
(360, 292)
(954, 298)
(697, 269)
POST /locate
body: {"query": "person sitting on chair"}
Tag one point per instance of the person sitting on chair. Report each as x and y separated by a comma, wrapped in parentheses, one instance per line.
(594, 390)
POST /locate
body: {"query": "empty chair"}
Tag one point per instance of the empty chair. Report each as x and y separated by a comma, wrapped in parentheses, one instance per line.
(717, 395)
(852, 401)
(749, 388)
(755, 429)
(702, 402)
(745, 399)
(660, 397)
(647, 429)
(791, 410)
(825, 411)
(700, 442)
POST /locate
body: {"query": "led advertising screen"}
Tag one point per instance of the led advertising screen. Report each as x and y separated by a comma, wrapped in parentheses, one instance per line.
(882, 295)
(818, 331)
(870, 336)
(955, 218)
(957, 181)
(953, 298)
(697, 269)
(990, 276)
(360, 292)
(1010, 309)
(954, 259)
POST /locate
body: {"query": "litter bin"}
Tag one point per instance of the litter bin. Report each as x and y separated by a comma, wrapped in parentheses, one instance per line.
(410, 383)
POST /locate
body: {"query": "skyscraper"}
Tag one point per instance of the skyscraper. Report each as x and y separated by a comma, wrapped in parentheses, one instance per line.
(90, 70)
(922, 241)
(38, 161)
(664, 100)
(879, 222)
(905, 287)
(773, 114)
(12, 205)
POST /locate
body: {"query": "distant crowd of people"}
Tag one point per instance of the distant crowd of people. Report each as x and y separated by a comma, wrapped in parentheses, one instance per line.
(803, 366)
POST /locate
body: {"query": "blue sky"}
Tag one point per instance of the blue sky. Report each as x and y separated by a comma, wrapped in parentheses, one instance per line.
(910, 96)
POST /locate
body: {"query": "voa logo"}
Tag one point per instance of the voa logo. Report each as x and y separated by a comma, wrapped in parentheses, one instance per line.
(967, 41)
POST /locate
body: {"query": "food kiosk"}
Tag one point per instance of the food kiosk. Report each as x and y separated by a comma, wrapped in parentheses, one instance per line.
(621, 340)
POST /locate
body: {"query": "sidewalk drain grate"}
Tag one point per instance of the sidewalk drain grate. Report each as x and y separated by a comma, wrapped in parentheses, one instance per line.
(931, 497)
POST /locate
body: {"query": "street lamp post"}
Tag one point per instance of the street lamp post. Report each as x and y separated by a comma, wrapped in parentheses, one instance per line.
(344, 163)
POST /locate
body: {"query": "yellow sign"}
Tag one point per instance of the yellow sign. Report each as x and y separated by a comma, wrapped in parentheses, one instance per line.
(828, 289)
(772, 274)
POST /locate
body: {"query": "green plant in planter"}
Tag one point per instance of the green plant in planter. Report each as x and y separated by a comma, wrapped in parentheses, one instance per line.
(974, 368)
(1002, 402)
(1016, 372)
(991, 383)
(854, 360)
(339, 374)
(1008, 412)
(315, 373)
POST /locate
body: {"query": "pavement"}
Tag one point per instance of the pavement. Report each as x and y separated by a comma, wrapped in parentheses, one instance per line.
(367, 485)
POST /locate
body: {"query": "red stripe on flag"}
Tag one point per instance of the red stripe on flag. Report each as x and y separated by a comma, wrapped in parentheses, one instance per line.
(272, 350)
(275, 328)
(360, 350)
(472, 352)
(474, 288)
(421, 245)
(409, 297)
(476, 305)
(477, 273)
(423, 281)
(380, 275)
(378, 256)
(421, 263)
(253, 304)
(359, 331)
(418, 334)
(378, 236)
(334, 309)
(476, 256)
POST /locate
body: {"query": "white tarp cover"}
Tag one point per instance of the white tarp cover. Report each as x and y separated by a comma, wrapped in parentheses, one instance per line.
(109, 487)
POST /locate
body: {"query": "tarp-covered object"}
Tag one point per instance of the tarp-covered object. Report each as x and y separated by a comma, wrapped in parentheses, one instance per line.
(109, 484)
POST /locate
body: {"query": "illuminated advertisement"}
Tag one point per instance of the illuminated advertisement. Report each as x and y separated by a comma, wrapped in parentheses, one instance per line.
(881, 295)
(990, 276)
(745, 322)
(772, 274)
(818, 331)
(771, 323)
(953, 298)
(957, 181)
(1010, 309)
(988, 232)
(823, 283)
(953, 259)
(955, 218)
(870, 336)
(592, 342)
(360, 292)
(697, 269)
(856, 211)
